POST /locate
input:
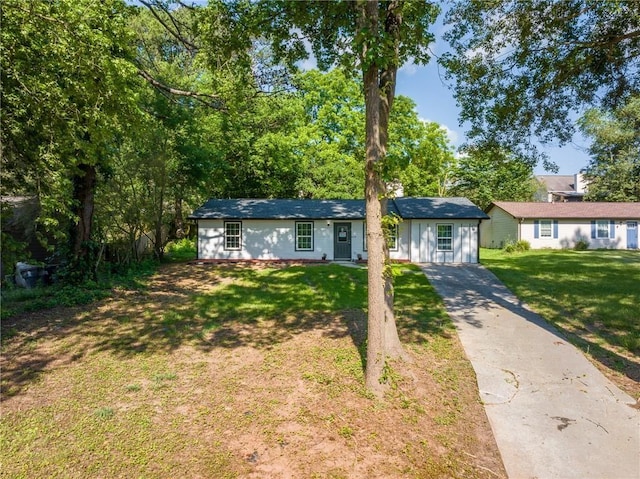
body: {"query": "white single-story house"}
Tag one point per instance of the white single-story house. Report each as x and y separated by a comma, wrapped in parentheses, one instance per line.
(562, 225)
(430, 230)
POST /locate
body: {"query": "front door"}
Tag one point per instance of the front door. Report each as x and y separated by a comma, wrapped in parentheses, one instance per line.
(632, 235)
(342, 241)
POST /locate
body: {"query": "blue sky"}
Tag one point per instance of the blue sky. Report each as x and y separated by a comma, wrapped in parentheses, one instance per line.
(426, 86)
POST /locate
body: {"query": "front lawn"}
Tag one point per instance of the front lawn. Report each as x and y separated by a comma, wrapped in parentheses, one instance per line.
(592, 296)
(237, 371)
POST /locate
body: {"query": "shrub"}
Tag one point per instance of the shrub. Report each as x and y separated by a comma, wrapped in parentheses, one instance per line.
(516, 246)
(581, 245)
(181, 250)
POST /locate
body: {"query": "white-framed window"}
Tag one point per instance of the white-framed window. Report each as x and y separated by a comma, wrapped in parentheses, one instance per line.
(232, 235)
(546, 229)
(392, 237)
(445, 237)
(602, 229)
(304, 236)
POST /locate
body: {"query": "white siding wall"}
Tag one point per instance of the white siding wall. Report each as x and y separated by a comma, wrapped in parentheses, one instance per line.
(275, 239)
(400, 253)
(501, 228)
(424, 242)
(571, 231)
(263, 239)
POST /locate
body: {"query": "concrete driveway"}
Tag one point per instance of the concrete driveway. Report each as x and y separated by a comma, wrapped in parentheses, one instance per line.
(554, 415)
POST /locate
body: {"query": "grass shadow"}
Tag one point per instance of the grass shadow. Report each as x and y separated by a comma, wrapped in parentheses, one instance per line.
(211, 307)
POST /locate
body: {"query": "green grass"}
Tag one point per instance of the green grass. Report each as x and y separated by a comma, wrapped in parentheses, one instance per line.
(16, 300)
(590, 295)
(190, 378)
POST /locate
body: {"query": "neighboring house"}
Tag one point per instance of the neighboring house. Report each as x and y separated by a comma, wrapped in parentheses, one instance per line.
(562, 225)
(430, 230)
(561, 188)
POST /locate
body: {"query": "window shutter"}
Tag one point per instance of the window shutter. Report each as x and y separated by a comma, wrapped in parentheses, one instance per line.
(612, 229)
(555, 229)
(593, 229)
(536, 229)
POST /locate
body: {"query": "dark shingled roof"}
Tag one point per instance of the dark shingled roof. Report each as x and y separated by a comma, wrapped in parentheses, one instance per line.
(438, 208)
(264, 209)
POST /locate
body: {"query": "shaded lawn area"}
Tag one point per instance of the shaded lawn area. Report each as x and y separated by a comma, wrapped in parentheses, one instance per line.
(591, 296)
(238, 371)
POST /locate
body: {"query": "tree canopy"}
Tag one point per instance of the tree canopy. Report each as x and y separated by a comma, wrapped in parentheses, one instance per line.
(613, 174)
(524, 70)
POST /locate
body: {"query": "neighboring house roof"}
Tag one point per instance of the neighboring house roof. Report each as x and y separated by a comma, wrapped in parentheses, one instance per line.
(581, 210)
(558, 182)
(407, 208)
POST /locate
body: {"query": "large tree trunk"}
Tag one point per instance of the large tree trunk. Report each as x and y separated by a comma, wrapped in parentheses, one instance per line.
(382, 337)
(374, 190)
(84, 185)
(387, 86)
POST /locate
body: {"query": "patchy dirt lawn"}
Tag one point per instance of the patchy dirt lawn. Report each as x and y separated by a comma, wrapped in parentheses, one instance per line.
(170, 382)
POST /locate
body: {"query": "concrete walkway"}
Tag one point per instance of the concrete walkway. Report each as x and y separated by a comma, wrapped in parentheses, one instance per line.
(553, 414)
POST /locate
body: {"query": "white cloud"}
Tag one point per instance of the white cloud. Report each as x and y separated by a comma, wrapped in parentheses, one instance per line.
(409, 68)
(453, 135)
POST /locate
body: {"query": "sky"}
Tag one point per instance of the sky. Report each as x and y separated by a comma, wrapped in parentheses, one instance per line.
(427, 87)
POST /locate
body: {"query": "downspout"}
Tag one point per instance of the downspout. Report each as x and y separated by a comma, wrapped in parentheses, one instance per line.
(197, 240)
(520, 229)
(479, 240)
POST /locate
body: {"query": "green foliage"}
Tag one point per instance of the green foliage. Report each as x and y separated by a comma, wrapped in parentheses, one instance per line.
(613, 174)
(581, 245)
(11, 249)
(19, 300)
(420, 154)
(524, 68)
(486, 173)
(181, 250)
(516, 246)
(67, 89)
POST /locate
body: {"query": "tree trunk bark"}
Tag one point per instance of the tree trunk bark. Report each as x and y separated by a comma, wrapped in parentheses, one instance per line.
(84, 185)
(383, 342)
(387, 88)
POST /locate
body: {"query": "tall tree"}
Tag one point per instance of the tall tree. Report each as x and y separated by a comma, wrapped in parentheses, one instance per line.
(67, 85)
(420, 151)
(487, 173)
(375, 39)
(524, 69)
(332, 138)
(613, 174)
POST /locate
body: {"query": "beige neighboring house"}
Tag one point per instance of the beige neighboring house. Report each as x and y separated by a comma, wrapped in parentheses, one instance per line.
(562, 225)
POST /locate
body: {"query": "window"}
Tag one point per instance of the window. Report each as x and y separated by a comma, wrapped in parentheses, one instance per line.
(445, 237)
(545, 229)
(304, 236)
(232, 235)
(391, 235)
(602, 228)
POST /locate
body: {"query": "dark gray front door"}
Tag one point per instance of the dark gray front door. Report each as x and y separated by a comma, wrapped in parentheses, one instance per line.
(342, 241)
